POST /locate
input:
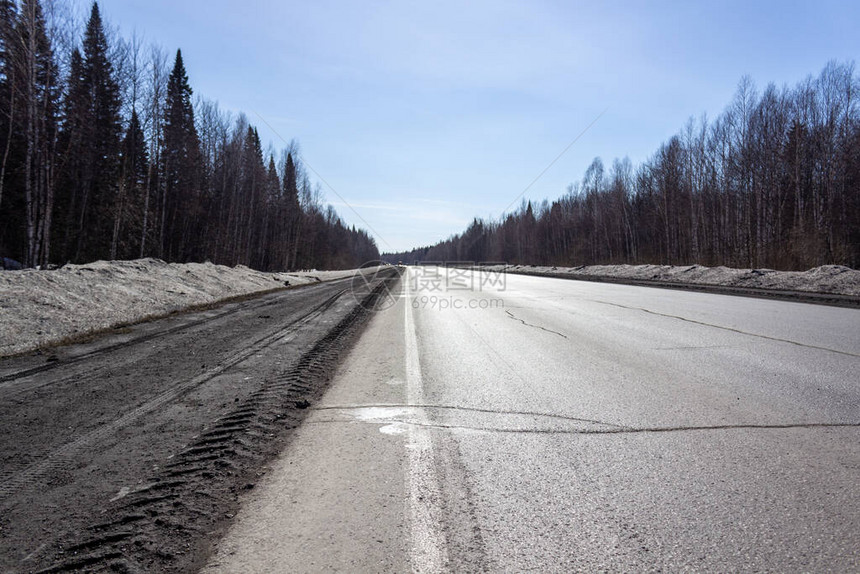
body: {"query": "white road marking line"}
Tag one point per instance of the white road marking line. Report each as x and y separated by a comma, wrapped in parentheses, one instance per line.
(427, 548)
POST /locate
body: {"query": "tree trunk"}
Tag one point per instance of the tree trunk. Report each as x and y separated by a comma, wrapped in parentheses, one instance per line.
(11, 83)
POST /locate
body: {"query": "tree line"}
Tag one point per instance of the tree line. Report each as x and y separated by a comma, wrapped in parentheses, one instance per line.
(106, 154)
(773, 181)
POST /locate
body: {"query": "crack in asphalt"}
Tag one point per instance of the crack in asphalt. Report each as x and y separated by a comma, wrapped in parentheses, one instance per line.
(645, 430)
(731, 329)
(467, 409)
(617, 429)
(515, 318)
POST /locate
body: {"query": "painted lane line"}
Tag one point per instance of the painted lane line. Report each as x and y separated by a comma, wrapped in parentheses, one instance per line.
(427, 549)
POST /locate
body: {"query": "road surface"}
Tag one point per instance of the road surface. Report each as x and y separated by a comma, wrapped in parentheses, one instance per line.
(549, 425)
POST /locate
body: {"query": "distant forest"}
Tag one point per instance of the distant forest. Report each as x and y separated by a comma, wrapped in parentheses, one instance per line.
(106, 154)
(773, 181)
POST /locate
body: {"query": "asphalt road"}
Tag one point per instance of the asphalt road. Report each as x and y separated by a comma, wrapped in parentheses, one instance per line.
(539, 424)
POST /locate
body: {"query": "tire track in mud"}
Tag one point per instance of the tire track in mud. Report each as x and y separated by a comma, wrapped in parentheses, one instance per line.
(6, 379)
(64, 455)
(170, 523)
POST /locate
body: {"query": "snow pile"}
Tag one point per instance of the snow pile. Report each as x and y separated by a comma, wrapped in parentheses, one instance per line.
(831, 279)
(42, 307)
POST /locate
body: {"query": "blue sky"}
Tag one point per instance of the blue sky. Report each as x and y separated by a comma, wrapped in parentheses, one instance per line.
(423, 115)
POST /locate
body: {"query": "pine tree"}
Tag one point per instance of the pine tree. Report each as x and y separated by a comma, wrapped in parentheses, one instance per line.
(104, 140)
(91, 148)
(269, 236)
(180, 168)
(292, 212)
(73, 160)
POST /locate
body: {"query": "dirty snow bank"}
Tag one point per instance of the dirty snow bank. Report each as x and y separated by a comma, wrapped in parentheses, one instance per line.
(42, 307)
(830, 279)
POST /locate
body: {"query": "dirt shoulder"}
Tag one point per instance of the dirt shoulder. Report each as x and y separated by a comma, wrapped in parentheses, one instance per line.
(133, 459)
(40, 308)
(828, 284)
